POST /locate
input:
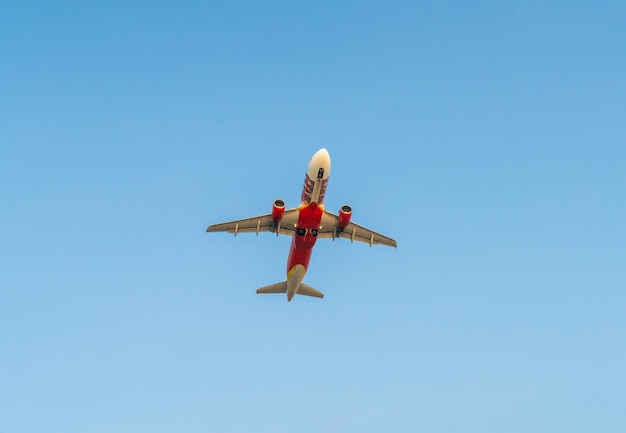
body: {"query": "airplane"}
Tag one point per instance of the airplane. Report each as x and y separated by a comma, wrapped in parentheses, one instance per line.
(305, 223)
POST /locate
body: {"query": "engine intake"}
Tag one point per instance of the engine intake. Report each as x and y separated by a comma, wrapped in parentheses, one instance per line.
(345, 213)
(278, 209)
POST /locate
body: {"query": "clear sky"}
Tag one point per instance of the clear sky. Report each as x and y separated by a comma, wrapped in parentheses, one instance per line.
(487, 137)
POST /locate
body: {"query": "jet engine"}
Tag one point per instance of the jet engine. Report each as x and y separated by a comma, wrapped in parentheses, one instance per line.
(278, 209)
(345, 213)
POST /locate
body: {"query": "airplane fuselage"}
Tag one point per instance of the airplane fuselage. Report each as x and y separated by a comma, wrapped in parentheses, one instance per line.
(310, 214)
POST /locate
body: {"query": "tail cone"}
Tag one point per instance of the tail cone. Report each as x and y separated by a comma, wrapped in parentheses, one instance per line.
(294, 280)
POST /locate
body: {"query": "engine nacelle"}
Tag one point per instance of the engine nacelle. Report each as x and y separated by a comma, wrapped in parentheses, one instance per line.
(278, 209)
(345, 213)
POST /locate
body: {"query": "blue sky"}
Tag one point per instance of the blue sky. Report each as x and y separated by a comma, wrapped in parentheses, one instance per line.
(487, 138)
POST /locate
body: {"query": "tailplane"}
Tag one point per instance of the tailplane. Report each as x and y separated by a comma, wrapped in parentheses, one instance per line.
(274, 288)
(281, 287)
(309, 291)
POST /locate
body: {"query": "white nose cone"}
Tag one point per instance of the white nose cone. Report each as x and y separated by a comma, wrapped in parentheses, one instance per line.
(319, 166)
(322, 153)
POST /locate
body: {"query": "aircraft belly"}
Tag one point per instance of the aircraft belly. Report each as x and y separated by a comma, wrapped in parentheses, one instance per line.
(299, 256)
(309, 219)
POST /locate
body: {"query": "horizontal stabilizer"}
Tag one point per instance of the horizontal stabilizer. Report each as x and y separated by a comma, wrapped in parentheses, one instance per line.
(309, 291)
(274, 288)
(282, 288)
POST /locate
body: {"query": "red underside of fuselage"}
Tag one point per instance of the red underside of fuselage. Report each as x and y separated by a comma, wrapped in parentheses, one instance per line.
(309, 218)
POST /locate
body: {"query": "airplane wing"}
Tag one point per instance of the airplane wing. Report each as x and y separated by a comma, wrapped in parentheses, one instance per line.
(330, 229)
(261, 223)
